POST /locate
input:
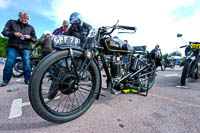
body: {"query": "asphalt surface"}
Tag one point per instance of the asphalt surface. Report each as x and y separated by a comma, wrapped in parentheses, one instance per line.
(167, 109)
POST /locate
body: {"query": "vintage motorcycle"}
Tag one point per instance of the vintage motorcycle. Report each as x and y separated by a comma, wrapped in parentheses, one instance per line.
(18, 69)
(76, 81)
(191, 67)
(168, 62)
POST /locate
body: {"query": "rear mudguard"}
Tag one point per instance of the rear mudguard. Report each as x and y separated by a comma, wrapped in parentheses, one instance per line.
(82, 50)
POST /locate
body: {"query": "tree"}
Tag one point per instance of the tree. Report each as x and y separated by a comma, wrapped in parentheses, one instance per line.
(165, 56)
(175, 53)
(3, 44)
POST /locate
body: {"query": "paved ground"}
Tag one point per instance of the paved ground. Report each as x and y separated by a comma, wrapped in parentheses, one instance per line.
(167, 109)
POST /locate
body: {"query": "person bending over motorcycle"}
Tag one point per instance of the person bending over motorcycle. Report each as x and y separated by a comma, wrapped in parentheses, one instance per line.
(45, 41)
(77, 29)
(62, 29)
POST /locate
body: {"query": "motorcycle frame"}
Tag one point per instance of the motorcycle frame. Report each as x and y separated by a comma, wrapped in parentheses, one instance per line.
(97, 46)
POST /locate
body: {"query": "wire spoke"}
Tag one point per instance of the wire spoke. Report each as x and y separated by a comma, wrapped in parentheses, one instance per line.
(69, 96)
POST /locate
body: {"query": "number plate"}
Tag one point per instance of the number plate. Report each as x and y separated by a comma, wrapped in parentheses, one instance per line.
(63, 40)
(195, 46)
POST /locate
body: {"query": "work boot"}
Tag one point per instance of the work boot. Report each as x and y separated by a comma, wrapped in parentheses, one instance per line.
(3, 84)
(53, 90)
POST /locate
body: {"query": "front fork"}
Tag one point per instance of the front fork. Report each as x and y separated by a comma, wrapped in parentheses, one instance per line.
(84, 67)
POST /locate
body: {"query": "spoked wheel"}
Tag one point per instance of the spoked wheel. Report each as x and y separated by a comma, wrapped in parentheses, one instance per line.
(197, 76)
(18, 69)
(163, 68)
(61, 96)
(173, 65)
(147, 77)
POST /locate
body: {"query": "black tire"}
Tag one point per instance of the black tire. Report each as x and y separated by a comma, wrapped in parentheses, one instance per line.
(70, 101)
(147, 77)
(163, 68)
(18, 69)
(196, 75)
(185, 72)
(173, 65)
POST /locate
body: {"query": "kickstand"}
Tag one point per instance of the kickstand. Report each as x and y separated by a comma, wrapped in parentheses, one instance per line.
(140, 93)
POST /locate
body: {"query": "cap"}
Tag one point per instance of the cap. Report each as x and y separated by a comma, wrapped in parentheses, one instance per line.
(47, 32)
(66, 23)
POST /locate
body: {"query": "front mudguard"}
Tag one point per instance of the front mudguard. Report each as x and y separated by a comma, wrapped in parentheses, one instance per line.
(68, 47)
(100, 79)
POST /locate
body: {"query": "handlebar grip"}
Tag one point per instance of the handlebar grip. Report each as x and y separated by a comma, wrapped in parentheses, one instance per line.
(127, 27)
(183, 46)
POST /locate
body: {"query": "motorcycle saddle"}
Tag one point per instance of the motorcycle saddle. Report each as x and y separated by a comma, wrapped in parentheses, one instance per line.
(140, 48)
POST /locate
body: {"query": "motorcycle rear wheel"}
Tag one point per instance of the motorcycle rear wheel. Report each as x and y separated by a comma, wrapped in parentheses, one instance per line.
(172, 66)
(147, 77)
(163, 68)
(72, 97)
(18, 69)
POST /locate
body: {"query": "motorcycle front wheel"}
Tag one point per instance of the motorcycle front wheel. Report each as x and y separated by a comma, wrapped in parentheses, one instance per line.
(61, 97)
(185, 72)
(196, 72)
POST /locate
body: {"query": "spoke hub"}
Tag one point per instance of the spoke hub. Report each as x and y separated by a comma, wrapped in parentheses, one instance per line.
(68, 84)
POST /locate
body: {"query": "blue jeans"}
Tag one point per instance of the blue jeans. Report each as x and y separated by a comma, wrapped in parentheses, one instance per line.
(12, 54)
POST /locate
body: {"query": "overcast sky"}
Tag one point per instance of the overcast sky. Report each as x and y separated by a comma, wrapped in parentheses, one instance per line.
(157, 21)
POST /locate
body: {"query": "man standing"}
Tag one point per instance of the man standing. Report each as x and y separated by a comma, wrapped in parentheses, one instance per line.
(20, 34)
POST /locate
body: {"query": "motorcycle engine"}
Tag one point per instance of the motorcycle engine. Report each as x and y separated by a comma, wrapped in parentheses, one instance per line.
(118, 66)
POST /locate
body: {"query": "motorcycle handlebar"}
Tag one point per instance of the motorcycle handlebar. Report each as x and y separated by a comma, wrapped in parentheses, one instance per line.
(183, 46)
(117, 27)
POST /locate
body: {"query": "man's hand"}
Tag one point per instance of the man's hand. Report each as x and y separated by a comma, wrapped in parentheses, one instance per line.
(27, 36)
(18, 34)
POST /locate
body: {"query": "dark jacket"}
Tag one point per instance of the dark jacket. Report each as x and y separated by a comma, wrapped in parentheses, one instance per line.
(13, 26)
(81, 33)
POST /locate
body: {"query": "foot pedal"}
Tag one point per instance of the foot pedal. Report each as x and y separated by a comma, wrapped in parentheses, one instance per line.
(115, 92)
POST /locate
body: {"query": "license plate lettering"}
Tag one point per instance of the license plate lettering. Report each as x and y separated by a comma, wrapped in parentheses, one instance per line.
(195, 46)
(62, 40)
